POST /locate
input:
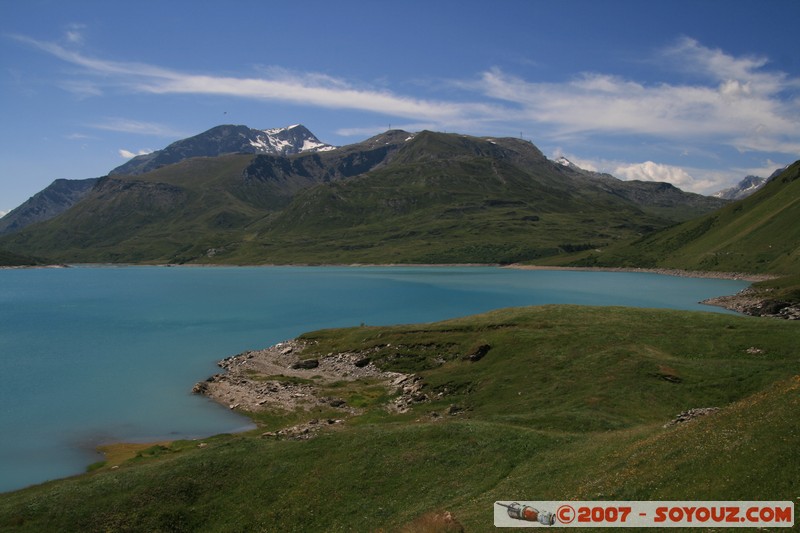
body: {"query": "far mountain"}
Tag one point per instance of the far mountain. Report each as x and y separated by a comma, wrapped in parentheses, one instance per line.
(747, 186)
(47, 203)
(228, 139)
(743, 189)
(655, 197)
(397, 197)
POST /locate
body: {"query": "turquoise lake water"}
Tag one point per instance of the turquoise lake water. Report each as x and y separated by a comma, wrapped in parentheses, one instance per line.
(92, 355)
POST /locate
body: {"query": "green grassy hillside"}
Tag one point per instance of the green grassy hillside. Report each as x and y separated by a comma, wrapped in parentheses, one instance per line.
(472, 211)
(758, 234)
(568, 402)
(11, 259)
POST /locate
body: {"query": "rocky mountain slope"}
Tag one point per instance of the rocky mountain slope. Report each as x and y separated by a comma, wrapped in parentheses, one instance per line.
(46, 204)
(397, 197)
(747, 186)
(228, 139)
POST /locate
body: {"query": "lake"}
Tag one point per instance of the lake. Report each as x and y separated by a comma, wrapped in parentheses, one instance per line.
(92, 355)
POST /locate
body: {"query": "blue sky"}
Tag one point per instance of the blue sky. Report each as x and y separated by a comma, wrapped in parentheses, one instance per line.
(698, 93)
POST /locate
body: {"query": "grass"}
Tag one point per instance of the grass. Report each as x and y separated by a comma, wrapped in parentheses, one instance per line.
(757, 234)
(568, 402)
(280, 378)
(8, 259)
(117, 453)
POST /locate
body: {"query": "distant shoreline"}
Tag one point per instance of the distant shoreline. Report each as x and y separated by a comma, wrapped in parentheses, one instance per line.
(747, 302)
(743, 276)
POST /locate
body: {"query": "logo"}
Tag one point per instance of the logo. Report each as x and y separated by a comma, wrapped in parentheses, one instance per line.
(712, 514)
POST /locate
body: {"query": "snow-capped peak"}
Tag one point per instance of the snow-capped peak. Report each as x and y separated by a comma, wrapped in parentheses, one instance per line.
(743, 189)
(286, 141)
(563, 161)
(228, 139)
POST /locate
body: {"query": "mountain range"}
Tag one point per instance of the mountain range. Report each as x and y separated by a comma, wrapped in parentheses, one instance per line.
(238, 195)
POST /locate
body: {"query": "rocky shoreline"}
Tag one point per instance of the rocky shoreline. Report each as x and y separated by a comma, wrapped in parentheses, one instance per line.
(754, 303)
(748, 301)
(279, 379)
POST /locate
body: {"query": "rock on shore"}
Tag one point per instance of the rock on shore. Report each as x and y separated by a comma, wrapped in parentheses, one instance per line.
(279, 377)
(756, 303)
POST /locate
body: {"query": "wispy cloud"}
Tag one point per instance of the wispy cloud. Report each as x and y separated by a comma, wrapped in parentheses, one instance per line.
(74, 33)
(81, 88)
(277, 85)
(78, 136)
(739, 104)
(124, 125)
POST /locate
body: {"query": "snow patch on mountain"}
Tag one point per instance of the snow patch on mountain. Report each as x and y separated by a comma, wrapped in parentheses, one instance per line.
(743, 189)
(228, 139)
(293, 139)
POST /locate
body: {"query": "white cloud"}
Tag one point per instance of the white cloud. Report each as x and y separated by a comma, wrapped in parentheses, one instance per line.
(78, 136)
(739, 104)
(690, 179)
(127, 154)
(678, 176)
(124, 125)
(650, 171)
(81, 88)
(278, 84)
(689, 55)
(735, 112)
(74, 33)
(765, 170)
(3, 213)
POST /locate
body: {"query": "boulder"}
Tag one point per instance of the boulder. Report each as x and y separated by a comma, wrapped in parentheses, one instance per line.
(305, 364)
(478, 353)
